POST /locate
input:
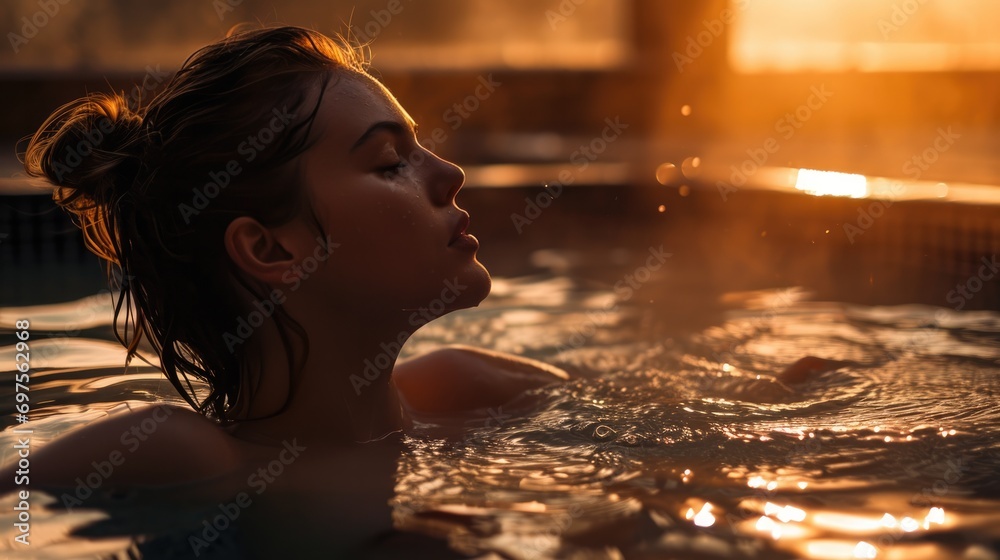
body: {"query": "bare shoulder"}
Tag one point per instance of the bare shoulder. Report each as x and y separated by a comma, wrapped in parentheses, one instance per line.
(457, 378)
(151, 446)
(479, 359)
(545, 373)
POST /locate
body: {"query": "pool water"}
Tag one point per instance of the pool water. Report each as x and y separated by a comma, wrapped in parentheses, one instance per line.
(674, 440)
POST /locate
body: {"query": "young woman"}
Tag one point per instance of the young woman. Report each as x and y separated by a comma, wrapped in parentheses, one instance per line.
(281, 233)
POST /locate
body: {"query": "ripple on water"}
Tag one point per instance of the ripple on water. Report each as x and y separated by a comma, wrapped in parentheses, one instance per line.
(690, 446)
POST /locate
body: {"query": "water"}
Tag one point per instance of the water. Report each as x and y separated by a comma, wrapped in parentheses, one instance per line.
(673, 441)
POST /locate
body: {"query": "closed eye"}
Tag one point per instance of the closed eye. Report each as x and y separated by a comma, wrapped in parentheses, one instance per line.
(392, 170)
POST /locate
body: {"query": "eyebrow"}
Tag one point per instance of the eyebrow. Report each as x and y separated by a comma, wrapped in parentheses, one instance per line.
(394, 127)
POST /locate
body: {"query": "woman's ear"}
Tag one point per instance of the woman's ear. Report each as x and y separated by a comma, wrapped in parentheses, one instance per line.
(258, 251)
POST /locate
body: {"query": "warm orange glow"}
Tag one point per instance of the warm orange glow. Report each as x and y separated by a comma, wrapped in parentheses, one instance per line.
(832, 549)
(864, 35)
(935, 515)
(701, 518)
(831, 183)
(789, 179)
(865, 550)
(666, 173)
(704, 518)
(689, 167)
(847, 523)
(791, 513)
(782, 530)
(532, 507)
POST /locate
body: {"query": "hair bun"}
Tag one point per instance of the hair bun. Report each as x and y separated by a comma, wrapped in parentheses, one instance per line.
(91, 145)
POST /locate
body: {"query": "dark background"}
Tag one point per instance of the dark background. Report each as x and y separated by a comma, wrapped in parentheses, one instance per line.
(561, 78)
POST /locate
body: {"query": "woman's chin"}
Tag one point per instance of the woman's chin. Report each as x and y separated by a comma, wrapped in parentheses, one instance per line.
(471, 286)
(481, 285)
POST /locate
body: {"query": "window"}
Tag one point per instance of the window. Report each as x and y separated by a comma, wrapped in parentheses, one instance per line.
(865, 35)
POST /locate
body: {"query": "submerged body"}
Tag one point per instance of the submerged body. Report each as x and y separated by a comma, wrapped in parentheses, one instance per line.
(340, 490)
(446, 386)
(336, 492)
(448, 383)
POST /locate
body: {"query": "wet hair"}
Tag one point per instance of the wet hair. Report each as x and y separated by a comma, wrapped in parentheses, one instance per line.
(153, 188)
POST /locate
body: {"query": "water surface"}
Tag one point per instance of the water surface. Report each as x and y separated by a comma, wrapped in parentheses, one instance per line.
(670, 443)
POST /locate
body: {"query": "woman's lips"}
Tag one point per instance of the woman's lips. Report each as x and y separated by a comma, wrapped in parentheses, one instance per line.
(459, 238)
(465, 241)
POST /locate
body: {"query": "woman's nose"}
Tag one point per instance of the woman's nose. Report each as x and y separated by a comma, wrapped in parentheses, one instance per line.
(449, 179)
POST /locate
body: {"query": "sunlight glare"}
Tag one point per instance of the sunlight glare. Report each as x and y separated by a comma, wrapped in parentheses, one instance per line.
(831, 183)
(704, 518)
(865, 550)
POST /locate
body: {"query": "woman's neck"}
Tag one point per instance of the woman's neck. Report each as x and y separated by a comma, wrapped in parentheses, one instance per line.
(343, 394)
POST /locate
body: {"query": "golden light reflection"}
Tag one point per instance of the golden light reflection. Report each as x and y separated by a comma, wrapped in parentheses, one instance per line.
(846, 522)
(531, 507)
(791, 513)
(935, 515)
(860, 525)
(704, 518)
(865, 550)
(788, 179)
(767, 525)
(832, 549)
(831, 183)
(778, 531)
(784, 513)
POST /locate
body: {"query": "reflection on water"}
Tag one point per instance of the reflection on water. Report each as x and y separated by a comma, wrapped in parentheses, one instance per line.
(676, 447)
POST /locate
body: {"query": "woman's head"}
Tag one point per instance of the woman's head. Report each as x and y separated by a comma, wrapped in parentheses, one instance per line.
(244, 182)
(389, 208)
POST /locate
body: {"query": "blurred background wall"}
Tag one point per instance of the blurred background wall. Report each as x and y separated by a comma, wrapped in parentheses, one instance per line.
(716, 95)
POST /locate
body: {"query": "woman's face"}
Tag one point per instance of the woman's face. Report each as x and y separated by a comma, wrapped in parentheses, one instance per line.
(389, 206)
